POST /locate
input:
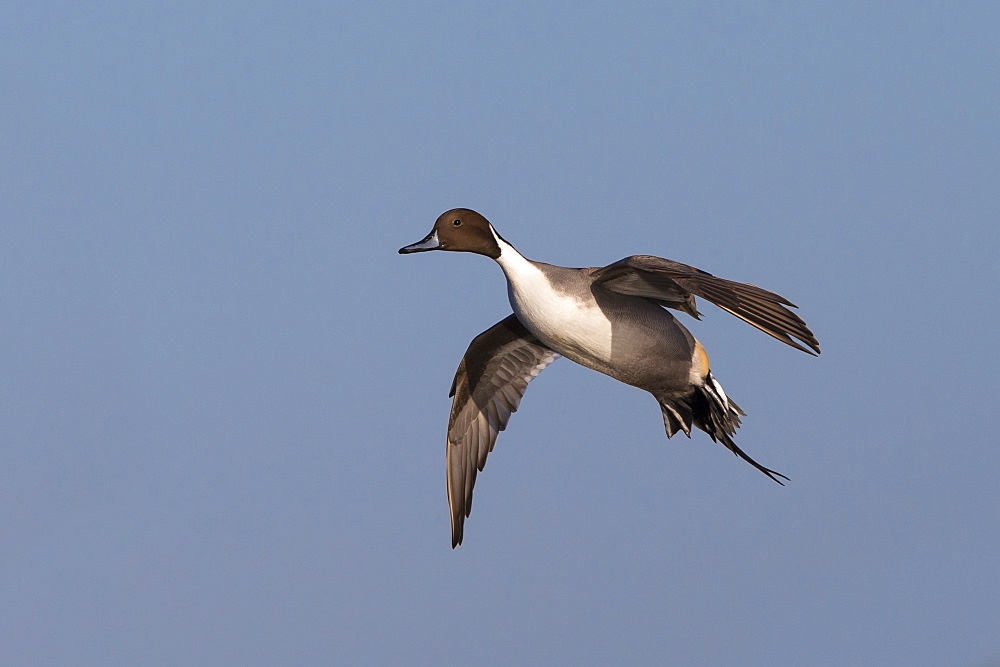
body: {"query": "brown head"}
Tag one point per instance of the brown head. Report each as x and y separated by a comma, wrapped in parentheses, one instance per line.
(459, 230)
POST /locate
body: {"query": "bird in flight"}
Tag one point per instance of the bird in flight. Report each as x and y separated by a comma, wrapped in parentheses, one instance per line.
(611, 319)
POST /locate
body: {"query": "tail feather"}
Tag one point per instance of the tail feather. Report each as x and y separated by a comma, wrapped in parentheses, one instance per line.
(711, 410)
(676, 417)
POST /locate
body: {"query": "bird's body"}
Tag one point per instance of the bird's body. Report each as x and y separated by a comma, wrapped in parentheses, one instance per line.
(610, 319)
(614, 335)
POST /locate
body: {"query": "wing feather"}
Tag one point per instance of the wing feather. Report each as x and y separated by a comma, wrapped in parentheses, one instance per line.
(675, 285)
(488, 386)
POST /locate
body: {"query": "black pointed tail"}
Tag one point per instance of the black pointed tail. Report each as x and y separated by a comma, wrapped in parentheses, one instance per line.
(709, 409)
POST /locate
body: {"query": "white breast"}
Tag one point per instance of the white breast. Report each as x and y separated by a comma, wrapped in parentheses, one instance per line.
(572, 325)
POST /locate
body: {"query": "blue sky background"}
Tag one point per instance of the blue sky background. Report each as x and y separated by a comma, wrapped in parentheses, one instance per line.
(223, 396)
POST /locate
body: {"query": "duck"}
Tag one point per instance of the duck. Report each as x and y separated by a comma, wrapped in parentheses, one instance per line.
(612, 319)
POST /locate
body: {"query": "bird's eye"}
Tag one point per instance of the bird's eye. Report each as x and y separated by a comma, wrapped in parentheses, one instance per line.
(457, 223)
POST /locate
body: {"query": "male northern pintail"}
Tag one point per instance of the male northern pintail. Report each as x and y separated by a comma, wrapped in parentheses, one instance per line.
(610, 319)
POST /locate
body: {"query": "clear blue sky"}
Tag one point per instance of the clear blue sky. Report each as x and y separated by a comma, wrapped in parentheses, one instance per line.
(223, 396)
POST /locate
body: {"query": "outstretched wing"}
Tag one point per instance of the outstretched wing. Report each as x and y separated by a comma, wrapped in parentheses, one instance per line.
(675, 285)
(489, 384)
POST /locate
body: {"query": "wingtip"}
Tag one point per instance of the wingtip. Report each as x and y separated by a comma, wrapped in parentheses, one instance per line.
(812, 350)
(810, 347)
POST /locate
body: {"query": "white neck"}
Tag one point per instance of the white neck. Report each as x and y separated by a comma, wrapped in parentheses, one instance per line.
(510, 260)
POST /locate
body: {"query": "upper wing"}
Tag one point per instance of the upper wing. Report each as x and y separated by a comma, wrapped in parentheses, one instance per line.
(675, 285)
(488, 387)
